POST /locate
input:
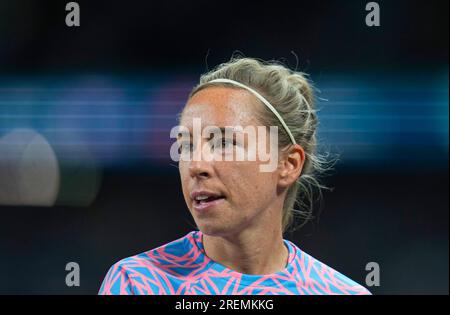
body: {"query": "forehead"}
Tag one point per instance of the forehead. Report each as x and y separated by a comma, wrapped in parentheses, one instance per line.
(220, 106)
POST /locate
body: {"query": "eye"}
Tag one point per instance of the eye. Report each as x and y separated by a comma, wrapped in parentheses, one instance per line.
(227, 143)
(185, 147)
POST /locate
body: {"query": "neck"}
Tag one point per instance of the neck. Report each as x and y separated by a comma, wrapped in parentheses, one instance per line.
(255, 251)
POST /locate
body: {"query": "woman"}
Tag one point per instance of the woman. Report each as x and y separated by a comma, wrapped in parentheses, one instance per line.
(240, 210)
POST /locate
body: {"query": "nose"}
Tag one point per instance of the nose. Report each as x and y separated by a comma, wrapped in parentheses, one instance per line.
(199, 169)
(200, 166)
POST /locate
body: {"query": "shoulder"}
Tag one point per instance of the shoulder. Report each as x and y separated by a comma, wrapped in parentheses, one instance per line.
(145, 273)
(320, 278)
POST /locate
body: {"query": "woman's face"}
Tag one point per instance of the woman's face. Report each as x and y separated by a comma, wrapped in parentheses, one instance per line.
(243, 196)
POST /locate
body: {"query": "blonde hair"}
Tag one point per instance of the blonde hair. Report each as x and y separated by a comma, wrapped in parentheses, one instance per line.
(292, 94)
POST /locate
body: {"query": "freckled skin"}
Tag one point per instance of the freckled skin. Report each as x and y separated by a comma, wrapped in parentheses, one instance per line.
(253, 198)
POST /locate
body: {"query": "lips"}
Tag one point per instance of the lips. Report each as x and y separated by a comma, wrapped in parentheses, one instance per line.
(203, 200)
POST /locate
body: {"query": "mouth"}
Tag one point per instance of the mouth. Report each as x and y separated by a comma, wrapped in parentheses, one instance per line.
(203, 200)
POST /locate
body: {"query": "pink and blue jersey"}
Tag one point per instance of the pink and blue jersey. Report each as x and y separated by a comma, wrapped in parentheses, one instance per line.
(182, 267)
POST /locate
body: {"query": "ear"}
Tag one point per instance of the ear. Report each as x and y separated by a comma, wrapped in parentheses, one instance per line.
(291, 165)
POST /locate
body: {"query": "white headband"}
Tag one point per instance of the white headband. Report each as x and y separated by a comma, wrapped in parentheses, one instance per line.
(262, 99)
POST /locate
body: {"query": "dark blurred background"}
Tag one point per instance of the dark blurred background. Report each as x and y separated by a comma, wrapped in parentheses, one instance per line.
(103, 97)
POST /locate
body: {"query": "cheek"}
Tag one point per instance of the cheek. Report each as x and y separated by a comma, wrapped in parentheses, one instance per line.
(184, 176)
(250, 185)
